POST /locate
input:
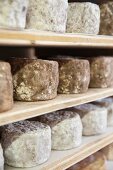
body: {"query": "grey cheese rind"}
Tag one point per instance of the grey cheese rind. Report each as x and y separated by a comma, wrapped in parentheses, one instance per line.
(83, 18)
(49, 15)
(34, 79)
(74, 75)
(108, 104)
(66, 129)
(13, 13)
(101, 71)
(94, 118)
(108, 152)
(1, 158)
(26, 144)
(106, 24)
(6, 87)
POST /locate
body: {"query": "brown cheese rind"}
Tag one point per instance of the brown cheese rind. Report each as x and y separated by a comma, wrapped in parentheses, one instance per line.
(74, 75)
(106, 24)
(93, 162)
(101, 72)
(34, 79)
(6, 87)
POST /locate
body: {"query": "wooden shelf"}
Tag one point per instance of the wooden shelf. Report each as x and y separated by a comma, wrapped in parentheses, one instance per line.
(50, 39)
(25, 110)
(60, 160)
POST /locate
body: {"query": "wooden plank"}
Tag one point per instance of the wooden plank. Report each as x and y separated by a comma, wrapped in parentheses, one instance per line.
(60, 160)
(12, 42)
(43, 38)
(25, 110)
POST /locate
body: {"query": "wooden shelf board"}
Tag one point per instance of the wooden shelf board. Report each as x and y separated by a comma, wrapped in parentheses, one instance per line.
(13, 42)
(25, 110)
(60, 160)
(44, 38)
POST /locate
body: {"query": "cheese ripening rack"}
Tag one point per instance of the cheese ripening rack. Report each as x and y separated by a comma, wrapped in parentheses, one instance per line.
(59, 160)
(25, 110)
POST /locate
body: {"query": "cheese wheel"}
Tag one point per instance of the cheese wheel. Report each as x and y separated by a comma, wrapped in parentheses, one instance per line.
(1, 158)
(106, 18)
(13, 13)
(108, 152)
(101, 72)
(34, 79)
(94, 162)
(66, 129)
(108, 104)
(26, 144)
(6, 87)
(74, 75)
(94, 118)
(49, 15)
(83, 18)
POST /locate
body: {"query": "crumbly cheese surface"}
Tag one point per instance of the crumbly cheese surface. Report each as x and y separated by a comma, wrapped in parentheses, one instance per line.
(83, 18)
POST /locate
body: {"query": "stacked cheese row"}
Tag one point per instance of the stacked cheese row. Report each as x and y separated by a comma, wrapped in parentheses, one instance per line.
(60, 130)
(57, 15)
(39, 80)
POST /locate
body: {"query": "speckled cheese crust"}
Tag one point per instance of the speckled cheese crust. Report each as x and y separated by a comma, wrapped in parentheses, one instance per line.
(66, 129)
(6, 87)
(101, 71)
(34, 79)
(49, 15)
(83, 18)
(13, 13)
(108, 104)
(94, 119)
(26, 144)
(74, 75)
(1, 158)
(106, 18)
(108, 151)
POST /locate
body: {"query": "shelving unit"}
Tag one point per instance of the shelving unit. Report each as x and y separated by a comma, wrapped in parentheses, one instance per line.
(25, 110)
(60, 160)
(50, 39)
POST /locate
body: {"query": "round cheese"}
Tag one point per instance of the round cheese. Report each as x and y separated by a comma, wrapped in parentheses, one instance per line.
(6, 87)
(26, 144)
(108, 152)
(34, 79)
(108, 104)
(94, 162)
(83, 18)
(94, 118)
(49, 15)
(66, 129)
(13, 13)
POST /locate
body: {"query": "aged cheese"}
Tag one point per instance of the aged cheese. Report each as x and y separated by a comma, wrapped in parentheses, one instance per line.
(106, 24)
(1, 158)
(101, 72)
(50, 15)
(108, 104)
(96, 161)
(94, 118)
(6, 87)
(108, 152)
(83, 18)
(66, 129)
(74, 75)
(34, 79)
(26, 144)
(13, 13)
